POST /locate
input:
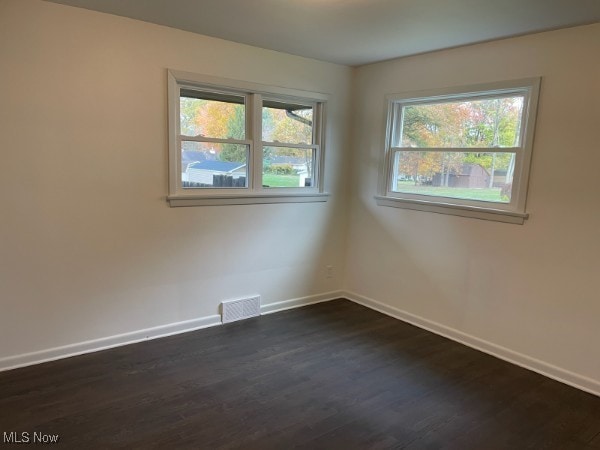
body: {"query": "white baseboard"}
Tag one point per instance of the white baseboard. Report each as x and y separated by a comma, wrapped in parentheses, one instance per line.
(66, 351)
(299, 302)
(556, 373)
(80, 348)
(565, 376)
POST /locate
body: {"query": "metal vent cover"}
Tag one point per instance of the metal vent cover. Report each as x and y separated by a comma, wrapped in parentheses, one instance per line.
(242, 308)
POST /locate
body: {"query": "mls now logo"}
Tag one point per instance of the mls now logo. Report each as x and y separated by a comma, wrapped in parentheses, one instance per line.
(14, 437)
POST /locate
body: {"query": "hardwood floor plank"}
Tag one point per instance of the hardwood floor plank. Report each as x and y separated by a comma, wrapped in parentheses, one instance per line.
(330, 375)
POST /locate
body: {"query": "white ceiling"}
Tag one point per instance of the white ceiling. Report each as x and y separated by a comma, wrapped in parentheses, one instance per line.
(354, 32)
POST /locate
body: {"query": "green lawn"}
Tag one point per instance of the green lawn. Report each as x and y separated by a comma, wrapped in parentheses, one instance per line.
(273, 180)
(487, 195)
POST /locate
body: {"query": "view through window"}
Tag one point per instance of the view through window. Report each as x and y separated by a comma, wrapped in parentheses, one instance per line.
(492, 125)
(462, 150)
(216, 146)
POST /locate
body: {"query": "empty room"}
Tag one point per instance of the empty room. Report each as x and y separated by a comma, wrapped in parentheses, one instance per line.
(324, 224)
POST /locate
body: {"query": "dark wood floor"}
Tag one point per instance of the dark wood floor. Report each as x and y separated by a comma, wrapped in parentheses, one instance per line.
(332, 375)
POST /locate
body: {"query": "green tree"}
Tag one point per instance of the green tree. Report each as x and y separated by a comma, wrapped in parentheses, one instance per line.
(188, 110)
(464, 124)
(293, 127)
(235, 129)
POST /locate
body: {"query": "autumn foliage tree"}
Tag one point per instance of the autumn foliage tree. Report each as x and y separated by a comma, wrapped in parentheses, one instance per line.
(467, 124)
(215, 119)
(224, 120)
(292, 127)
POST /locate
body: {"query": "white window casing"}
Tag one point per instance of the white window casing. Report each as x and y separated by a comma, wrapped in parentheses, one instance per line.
(512, 211)
(253, 95)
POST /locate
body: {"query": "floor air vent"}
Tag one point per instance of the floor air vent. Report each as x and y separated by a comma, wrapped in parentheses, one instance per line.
(239, 309)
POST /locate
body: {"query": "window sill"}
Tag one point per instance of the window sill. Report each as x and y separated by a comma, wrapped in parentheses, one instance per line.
(252, 199)
(455, 210)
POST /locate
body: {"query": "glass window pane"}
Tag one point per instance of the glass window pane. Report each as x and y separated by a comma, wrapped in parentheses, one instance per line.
(287, 167)
(211, 165)
(475, 176)
(212, 115)
(463, 124)
(286, 122)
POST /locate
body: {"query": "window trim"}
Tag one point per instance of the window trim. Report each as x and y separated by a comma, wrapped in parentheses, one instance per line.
(513, 212)
(253, 94)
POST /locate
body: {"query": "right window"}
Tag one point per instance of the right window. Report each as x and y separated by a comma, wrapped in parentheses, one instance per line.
(461, 151)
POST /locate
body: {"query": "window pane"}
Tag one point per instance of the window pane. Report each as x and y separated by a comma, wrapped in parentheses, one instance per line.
(463, 124)
(210, 165)
(287, 167)
(212, 115)
(286, 122)
(474, 176)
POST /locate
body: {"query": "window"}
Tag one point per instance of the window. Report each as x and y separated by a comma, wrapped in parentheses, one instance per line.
(462, 151)
(232, 142)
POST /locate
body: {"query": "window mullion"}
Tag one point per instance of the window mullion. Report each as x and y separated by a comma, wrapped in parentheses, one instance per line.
(488, 181)
(392, 173)
(256, 149)
(436, 100)
(319, 139)
(289, 145)
(185, 138)
(206, 105)
(397, 123)
(458, 149)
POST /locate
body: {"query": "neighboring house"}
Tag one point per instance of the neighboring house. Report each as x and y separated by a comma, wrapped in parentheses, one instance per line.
(190, 156)
(469, 176)
(500, 178)
(304, 179)
(203, 171)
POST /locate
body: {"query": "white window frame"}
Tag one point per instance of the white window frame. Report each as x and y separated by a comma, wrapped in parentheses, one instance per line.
(512, 212)
(253, 94)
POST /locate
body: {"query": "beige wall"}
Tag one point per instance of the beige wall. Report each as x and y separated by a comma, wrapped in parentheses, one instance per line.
(532, 288)
(88, 245)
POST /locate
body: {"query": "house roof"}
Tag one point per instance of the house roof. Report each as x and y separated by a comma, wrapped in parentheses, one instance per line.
(216, 166)
(189, 156)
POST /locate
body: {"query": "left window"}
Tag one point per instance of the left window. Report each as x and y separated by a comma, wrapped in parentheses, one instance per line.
(232, 142)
